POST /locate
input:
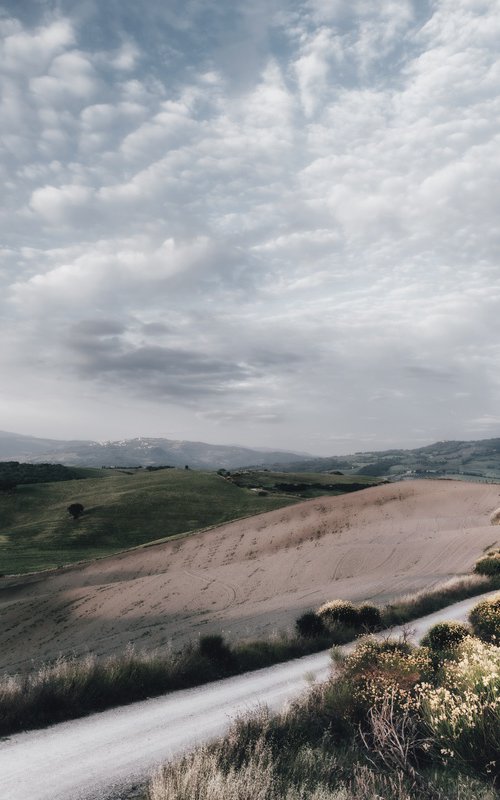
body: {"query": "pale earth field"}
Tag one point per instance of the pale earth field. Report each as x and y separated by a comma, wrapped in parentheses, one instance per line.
(252, 577)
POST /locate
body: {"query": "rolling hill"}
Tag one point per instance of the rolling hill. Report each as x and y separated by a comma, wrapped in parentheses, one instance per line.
(125, 508)
(473, 460)
(252, 576)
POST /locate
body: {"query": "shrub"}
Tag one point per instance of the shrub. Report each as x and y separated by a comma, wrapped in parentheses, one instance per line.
(463, 712)
(339, 611)
(489, 564)
(485, 619)
(445, 635)
(376, 669)
(75, 510)
(215, 649)
(369, 617)
(310, 625)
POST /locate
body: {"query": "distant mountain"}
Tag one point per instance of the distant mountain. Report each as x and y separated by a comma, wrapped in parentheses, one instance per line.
(475, 459)
(137, 452)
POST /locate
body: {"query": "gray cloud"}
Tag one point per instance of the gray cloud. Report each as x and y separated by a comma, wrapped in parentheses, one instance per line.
(237, 215)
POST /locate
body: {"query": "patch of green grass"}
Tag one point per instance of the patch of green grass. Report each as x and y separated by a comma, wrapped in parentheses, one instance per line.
(121, 511)
(301, 484)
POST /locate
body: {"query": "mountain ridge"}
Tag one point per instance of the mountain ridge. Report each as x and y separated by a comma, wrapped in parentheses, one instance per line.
(478, 458)
(138, 451)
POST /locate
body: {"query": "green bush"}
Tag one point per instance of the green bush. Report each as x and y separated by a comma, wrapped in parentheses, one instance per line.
(339, 611)
(369, 617)
(214, 648)
(310, 625)
(485, 620)
(489, 564)
(445, 635)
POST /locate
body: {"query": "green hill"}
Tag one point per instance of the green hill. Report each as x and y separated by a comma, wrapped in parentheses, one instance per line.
(123, 509)
(474, 460)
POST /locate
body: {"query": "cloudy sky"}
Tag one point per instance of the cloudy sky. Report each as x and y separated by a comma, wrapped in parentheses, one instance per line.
(272, 223)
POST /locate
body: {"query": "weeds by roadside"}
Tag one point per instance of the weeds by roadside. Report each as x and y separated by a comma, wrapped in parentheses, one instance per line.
(72, 687)
(396, 723)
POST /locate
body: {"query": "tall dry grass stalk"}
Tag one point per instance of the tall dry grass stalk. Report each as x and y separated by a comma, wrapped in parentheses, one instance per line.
(201, 777)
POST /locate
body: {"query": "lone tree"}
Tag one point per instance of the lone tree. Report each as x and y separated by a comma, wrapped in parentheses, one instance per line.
(75, 509)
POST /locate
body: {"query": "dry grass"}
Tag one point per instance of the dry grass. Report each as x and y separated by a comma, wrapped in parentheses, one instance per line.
(393, 726)
(418, 605)
(317, 773)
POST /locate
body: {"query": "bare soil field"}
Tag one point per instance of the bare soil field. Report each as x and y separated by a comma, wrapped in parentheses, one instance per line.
(252, 577)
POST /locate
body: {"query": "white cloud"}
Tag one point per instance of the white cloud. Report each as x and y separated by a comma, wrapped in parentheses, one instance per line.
(70, 76)
(30, 52)
(59, 205)
(319, 52)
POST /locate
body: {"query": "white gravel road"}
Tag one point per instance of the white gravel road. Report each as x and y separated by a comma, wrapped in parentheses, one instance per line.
(99, 756)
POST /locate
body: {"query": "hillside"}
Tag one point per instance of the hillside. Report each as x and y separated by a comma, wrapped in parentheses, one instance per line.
(252, 576)
(121, 510)
(125, 508)
(473, 460)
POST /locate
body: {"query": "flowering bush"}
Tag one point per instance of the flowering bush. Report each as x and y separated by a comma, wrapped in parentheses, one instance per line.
(339, 611)
(377, 669)
(463, 712)
(453, 712)
(485, 619)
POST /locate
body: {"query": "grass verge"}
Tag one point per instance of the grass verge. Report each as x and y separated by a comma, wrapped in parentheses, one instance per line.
(397, 722)
(74, 687)
(375, 731)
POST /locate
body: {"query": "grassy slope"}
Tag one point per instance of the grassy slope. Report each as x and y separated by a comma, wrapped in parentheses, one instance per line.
(309, 484)
(121, 511)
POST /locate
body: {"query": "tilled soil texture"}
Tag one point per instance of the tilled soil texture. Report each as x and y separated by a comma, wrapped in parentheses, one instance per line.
(252, 577)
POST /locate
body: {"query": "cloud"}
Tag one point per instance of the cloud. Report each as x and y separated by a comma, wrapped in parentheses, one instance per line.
(282, 214)
(29, 52)
(111, 270)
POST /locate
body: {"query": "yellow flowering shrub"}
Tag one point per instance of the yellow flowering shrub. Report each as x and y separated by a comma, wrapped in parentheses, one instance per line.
(339, 611)
(453, 706)
(462, 714)
(378, 668)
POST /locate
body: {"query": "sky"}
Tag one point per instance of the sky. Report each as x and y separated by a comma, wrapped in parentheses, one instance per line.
(272, 223)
